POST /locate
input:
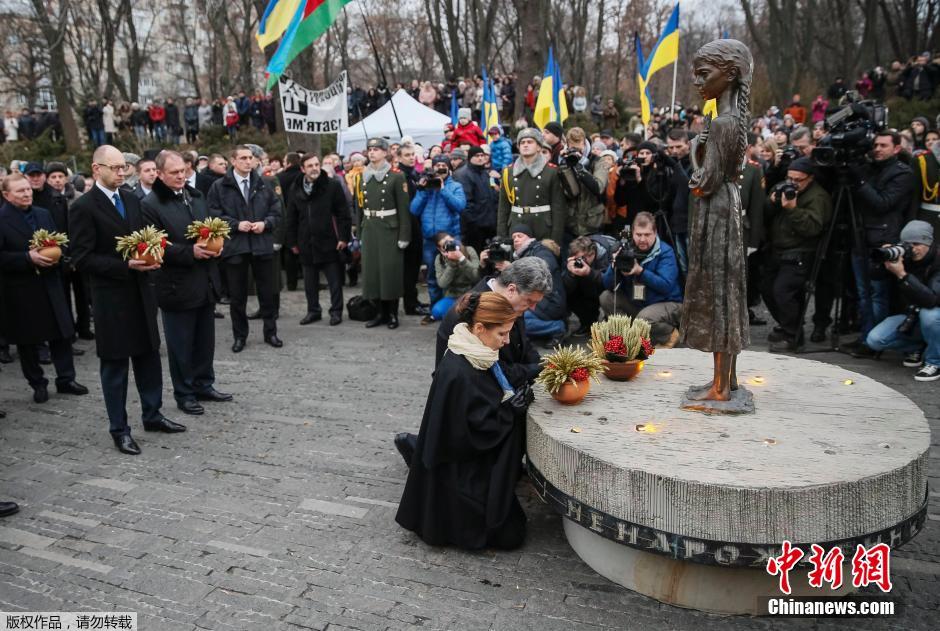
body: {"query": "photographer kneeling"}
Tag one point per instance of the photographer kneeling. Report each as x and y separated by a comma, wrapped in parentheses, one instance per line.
(457, 267)
(916, 265)
(798, 211)
(583, 277)
(644, 282)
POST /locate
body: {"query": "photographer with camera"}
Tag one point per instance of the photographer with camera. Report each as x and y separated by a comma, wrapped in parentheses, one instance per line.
(583, 177)
(916, 266)
(548, 320)
(457, 270)
(644, 281)
(797, 213)
(634, 182)
(438, 204)
(478, 220)
(882, 191)
(583, 277)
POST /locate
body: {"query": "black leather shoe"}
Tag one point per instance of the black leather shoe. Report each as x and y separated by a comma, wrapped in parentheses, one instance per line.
(405, 444)
(393, 322)
(238, 345)
(787, 345)
(5, 357)
(335, 319)
(776, 336)
(818, 335)
(126, 445)
(86, 335)
(77, 352)
(420, 310)
(214, 395)
(8, 508)
(860, 350)
(376, 321)
(310, 318)
(163, 424)
(40, 394)
(72, 387)
(218, 315)
(255, 315)
(273, 340)
(190, 407)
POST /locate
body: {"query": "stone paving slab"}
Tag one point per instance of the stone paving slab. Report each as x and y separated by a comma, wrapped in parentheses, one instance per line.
(276, 511)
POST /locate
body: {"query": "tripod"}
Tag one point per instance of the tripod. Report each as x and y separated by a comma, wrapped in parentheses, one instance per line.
(843, 219)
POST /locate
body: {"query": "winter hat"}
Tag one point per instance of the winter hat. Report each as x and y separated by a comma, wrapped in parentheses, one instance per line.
(474, 151)
(922, 120)
(529, 132)
(523, 228)
(495, 130)
(555, 128)
(56, 167)
(448, 127)
(463, 112)
(131, 158)
(33, 167)
(606, 133)
(917, 232)
(649, 146)
(459, 154)
(803, 165)
(440, 159)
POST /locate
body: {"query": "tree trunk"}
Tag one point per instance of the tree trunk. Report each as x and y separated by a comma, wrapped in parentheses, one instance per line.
(533, 23)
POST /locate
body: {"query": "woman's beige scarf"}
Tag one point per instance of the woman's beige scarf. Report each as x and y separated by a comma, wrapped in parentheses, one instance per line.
(463, 342)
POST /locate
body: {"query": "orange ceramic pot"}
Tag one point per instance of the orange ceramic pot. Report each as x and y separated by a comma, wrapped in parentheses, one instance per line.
(53, 252)
(149, 259)
(572, 392)
(622, 371)
(213, 244)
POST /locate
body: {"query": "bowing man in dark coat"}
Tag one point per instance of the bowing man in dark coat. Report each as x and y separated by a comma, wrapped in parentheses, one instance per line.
(318, 229)
(461, 484)
(34, 305)
(187, 285)
(252, 209)
(123, 299)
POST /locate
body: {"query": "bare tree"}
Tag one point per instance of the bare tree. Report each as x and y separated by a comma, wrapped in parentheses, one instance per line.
(25, 69)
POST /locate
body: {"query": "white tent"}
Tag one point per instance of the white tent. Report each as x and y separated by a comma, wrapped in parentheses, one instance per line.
(424, 125)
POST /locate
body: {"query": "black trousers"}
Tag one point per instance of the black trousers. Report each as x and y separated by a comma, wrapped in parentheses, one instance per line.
(413, 256)
(190, 349)
(290, 262)
(262, 269)
(334, 279)
(754, 264)
(782, 288)
(585, 302)
(61, 351)
(148, 377)
(73, 282)
(475, 236)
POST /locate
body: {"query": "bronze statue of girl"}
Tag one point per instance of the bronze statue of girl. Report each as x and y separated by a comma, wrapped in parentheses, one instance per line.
(714, 313)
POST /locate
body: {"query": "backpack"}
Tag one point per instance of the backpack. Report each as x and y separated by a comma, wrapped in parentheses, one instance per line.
(361, 309)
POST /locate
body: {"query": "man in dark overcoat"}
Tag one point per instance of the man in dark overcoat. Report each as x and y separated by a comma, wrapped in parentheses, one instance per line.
(187, 285)
(122, 296)
(252, 209)
(34, 305)
(318, 229)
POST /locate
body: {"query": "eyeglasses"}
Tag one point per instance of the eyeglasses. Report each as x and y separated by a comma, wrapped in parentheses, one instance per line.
(113, 167)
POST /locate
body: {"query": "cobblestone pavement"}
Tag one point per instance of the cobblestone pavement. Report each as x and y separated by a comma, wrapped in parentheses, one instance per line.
(276, 511)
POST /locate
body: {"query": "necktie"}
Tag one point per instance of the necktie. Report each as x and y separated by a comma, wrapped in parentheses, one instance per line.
(245, 188)
(119, 205)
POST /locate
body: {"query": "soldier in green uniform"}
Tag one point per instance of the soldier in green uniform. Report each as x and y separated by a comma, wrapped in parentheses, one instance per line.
(530, 192)
(381, 198)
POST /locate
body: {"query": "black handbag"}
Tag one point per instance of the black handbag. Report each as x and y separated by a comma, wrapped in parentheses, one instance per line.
(361, 309)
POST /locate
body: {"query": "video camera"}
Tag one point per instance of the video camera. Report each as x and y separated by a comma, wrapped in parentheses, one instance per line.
(499, 250)
(432, 183)
(626, 257)
(851, 130)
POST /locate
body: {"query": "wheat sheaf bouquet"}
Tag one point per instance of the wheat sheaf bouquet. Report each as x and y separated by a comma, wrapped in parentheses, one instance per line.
(147, 244)
(209, 233)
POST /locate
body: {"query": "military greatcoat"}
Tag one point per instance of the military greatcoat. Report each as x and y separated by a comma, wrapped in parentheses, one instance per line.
(534, 191)
(377, 193)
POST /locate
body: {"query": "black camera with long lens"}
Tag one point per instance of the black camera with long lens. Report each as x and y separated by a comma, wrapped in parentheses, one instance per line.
(499, 250)
(789, 154)
(785, 191)
(626, 253)
(892, 253)
(851, 132)
(910, 321)
(450, 246)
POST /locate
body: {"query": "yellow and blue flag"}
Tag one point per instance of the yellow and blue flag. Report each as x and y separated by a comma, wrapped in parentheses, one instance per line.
(551, 104)
(275, 20)
(665, 53)
(489, 112)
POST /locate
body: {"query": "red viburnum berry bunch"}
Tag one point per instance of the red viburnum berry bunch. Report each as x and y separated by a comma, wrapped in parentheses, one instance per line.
(49, 243)
(647, 346)
(141, 247)
(615, 345)
(580, 374)
(204, 232)
(163, 243)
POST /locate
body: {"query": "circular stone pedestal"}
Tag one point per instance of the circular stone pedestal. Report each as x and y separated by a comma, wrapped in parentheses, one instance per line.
(687, 507)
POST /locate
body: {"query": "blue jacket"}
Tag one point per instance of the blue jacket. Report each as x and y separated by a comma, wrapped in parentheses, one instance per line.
(500, 154)
(439, 210)
(660, 276)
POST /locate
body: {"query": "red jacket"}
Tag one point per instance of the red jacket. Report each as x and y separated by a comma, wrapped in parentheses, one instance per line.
(157, 113)
(469, 133)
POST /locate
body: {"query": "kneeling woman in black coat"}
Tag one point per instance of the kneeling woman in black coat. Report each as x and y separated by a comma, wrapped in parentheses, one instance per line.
(461, 485)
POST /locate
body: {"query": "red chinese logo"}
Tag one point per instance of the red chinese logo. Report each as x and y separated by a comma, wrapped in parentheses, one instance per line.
(870, 566)
(783, 564)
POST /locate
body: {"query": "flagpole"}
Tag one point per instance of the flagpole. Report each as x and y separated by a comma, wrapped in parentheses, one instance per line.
(378, 63)
(675, 72)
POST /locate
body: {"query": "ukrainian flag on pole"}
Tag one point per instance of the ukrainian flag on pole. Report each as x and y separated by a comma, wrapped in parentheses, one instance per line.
(489, 113)
(310, 20)
(275, 20)
(551, 104)
(664, 53)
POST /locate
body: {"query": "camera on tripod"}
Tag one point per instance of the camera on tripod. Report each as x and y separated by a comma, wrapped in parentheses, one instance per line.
(851, 130)
(785, 190)
(626, 256)
(892, 253)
